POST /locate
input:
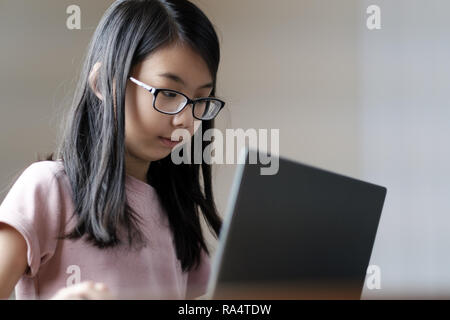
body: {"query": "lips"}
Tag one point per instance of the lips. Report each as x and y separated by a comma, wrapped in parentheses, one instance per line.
(168, 142)
(170, 139)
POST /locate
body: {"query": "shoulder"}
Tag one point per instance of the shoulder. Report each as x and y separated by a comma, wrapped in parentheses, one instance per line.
(39, 180)
(43, 170)
(42, 173)
(35, 206)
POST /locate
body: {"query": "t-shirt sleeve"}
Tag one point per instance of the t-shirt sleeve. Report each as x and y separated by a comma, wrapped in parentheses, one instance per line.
(31, 207)
(198, 278)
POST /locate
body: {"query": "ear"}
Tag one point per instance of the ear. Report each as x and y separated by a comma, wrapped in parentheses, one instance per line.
(93, 76)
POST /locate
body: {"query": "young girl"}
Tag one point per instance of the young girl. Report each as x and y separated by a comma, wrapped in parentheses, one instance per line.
(112, 216)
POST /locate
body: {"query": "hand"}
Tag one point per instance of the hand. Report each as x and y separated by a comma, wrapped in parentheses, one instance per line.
(84, 291)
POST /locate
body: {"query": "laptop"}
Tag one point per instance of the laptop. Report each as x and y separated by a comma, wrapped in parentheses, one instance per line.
(303, 233)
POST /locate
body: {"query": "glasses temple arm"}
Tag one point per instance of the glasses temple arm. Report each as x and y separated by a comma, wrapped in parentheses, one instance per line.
(143, 85)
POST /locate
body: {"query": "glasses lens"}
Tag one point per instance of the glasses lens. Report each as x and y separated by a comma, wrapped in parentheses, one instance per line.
(207, 109)
(169, 101)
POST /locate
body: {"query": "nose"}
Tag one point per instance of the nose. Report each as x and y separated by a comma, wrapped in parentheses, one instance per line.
(184, 119)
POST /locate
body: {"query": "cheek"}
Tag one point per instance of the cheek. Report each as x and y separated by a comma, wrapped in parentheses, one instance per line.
(143, 125)
(140, 116)
(142, 128)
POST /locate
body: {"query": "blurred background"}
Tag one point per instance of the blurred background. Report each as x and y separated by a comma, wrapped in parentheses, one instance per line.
(371, 104)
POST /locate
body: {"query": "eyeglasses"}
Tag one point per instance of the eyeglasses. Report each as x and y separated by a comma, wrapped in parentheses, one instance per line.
(172, 102)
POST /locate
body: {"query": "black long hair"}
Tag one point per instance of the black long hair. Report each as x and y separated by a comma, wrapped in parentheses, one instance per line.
(93, 144)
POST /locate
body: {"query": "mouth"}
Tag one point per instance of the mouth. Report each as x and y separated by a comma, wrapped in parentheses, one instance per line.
(168, 142)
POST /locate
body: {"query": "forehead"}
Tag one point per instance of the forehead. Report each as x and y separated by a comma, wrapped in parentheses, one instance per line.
(176, 59)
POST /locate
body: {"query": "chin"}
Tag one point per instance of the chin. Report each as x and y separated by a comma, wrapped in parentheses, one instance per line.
(160, 155)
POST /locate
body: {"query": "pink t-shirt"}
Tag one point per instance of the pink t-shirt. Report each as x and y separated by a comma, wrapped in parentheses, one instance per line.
(39, 206)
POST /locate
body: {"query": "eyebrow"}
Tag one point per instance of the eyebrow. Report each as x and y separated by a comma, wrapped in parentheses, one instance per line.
(178, 79)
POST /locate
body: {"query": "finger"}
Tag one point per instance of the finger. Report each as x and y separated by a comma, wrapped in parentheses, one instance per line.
(85, 291)
(98, 291)
(75, 292)
(101, 287)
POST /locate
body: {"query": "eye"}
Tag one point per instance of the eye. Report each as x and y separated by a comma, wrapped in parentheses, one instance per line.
(169, 94)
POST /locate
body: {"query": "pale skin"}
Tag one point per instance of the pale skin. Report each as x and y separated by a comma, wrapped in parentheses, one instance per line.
(143, 128)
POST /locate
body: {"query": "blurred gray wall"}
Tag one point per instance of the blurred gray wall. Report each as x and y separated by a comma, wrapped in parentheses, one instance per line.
(369, 104)
(290, 65)
(404, 124)
(40, 59)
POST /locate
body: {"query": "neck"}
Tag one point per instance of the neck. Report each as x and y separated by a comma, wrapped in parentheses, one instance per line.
(136, 168)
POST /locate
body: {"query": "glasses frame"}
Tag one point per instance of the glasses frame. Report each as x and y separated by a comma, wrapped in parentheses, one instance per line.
(156, 91)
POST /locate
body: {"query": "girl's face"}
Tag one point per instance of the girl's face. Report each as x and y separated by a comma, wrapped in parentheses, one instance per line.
(176, 67)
